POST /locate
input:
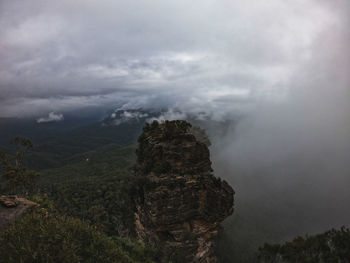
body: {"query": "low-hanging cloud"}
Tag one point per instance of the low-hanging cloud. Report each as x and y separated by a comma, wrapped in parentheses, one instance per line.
(288, 160)
(52, 117)
(207, 56)
(127, 116)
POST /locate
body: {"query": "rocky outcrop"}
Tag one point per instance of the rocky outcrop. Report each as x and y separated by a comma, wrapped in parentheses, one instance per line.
(11, 208)
(179, 203)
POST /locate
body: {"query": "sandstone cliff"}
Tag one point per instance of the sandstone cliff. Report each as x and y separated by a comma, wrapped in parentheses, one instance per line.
(179, 203)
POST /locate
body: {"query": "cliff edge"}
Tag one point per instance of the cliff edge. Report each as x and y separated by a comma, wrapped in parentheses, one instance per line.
(12, 208)
(179, 203)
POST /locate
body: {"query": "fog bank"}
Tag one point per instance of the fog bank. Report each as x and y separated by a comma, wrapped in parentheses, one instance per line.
(288, 160)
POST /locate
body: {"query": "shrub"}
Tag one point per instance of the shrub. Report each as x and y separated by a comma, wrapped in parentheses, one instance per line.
(39, 237)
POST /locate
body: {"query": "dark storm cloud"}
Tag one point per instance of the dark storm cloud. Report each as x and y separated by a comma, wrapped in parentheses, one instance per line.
(61, 55)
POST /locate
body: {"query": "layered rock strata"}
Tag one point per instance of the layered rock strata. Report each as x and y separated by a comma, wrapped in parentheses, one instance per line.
(179, 203)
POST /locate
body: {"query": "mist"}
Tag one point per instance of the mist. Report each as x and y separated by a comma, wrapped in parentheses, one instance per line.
(288, 158)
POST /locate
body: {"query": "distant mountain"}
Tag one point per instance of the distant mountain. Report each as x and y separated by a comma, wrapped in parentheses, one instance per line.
(56, 142)
(38, 132)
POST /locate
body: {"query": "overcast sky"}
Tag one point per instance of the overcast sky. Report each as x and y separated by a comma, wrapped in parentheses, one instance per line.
(203, 55)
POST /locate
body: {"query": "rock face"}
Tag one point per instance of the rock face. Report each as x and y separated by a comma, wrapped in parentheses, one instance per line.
(179, 203)
(11, 208)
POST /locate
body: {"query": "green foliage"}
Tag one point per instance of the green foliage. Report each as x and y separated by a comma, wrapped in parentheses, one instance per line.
(166, 131)
(331, 246)
(41, 237)
(84, 193)
(44, 202)
(86, 139)
(175, 128)
(95, 187)
(14, 174)
(103, 201)
(139, 250)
